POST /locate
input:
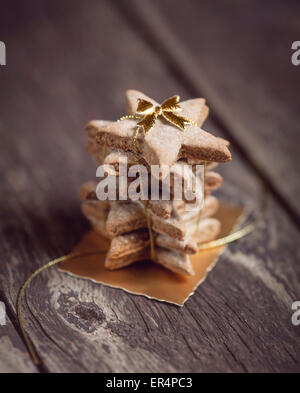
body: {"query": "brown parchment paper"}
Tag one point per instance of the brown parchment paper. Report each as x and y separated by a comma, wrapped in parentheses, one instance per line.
(145, 277)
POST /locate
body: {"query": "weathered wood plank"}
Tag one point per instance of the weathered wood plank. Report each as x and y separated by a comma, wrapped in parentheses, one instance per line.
(238, 55)
(238, 320)
(14, 357)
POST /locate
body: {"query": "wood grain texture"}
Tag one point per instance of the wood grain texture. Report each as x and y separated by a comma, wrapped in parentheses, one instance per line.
(238, 55)
(238, 320)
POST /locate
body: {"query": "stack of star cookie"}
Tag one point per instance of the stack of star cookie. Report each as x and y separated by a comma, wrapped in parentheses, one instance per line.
(176, 228)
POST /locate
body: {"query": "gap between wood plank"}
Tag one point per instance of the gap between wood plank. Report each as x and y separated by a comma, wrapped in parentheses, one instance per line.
(146, 21)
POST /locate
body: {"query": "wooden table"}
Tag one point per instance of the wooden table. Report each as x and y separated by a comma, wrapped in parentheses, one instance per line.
(69, 62)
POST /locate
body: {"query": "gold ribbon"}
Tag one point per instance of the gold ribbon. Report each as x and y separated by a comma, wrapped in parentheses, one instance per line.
(167, 110)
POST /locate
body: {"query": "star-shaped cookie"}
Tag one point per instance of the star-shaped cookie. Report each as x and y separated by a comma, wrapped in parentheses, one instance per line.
(164, 144)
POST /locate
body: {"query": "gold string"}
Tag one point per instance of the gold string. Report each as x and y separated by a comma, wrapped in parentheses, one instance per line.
(136, 151)
(25, 285)
(127, 117)
(137, 158)
(104, 152)
(201, 247)
(230, 238)
(246, 230)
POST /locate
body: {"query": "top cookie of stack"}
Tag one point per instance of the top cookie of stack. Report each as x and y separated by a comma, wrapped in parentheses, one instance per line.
(176, 230)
